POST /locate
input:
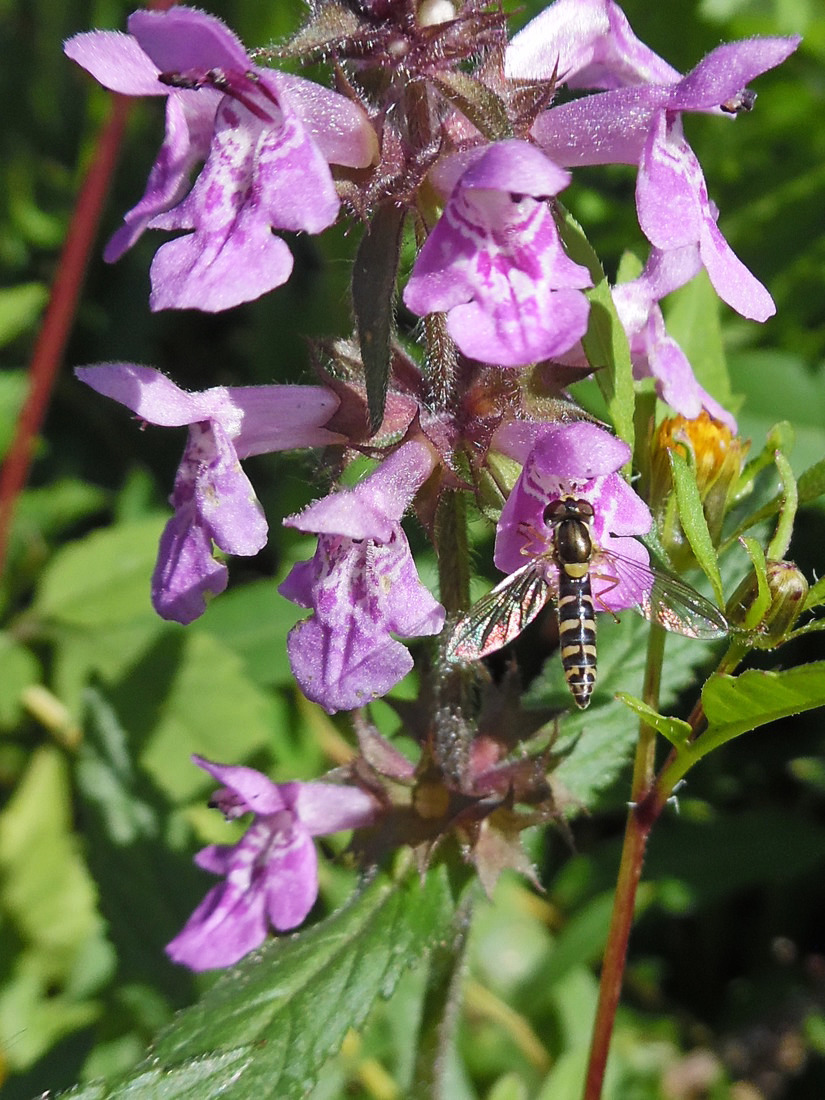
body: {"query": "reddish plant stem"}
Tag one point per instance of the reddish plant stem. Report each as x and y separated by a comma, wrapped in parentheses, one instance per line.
(644, 810)
(60, 312)
(639, 823)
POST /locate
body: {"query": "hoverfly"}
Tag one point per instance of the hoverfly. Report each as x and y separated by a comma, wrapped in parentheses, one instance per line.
(502, 614)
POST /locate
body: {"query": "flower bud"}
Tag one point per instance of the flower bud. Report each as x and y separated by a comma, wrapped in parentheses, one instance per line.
(788, 589)
(717, 457)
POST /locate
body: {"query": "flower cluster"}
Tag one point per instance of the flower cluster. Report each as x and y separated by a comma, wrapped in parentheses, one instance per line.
(443, 123)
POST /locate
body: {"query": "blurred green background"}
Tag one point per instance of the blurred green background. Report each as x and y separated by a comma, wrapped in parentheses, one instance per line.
(101, 703)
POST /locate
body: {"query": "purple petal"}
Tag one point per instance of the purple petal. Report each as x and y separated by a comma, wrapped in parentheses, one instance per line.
(520, 331)
(608, 128)
(324, 808)
(283, 418)
(579, 451)
(185, 570)
(372, 509)
(670, 189)
(515, 166)
(731, 280)
(184, 39)
(589, 44)
(213, 272)
(495, 262)
(259, 794)
(148, 393)
(224, 498)
(116, 61)
(291, 881)
(228, 924)
(338, 126)
(257, 177)
(190, 119)
(727, 70)
(344, 669)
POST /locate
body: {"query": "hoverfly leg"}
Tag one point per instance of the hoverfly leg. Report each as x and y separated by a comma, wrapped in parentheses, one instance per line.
(613, 582)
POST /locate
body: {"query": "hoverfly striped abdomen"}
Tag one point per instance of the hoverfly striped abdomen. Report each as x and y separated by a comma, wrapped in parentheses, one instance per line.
(569, 520)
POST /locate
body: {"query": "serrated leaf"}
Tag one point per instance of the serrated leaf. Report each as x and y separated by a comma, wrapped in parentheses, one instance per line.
(694, 524)
(267, 1027)
(736, 704)
(374, 276)
(816, 595)
(674, 729)
(811, 482)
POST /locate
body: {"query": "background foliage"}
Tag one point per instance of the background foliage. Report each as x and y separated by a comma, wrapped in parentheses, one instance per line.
(101, 703)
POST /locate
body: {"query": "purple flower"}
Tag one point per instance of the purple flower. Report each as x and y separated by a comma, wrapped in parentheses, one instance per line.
(272, 873)
(584, 44)
(495, 262)
(266, 139)
(212, 497)
(654, 353)
(642, 125)
(362, 586)
(579, 460)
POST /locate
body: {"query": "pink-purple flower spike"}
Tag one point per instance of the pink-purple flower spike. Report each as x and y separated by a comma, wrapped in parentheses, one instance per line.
(496, 264)
(362, 586)
(271, 874)
(213, 498)
(266, 139)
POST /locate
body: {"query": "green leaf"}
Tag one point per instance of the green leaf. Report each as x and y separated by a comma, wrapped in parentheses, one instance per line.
(811, 482)
(13, 384)
(674, 729)
(816, 595)
(20, 308)
(605, 341)
(757, 610)
(782, 386)
(21, 669)
(374, 276)
(693, 521)
(267, 1027)
(189, 693)
(49, 925)
(736, 704)
(103, 578)
(254, 620)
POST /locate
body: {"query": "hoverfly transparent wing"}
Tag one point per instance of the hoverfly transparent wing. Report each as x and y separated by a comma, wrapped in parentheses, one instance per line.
(668, 601)
(501, 615)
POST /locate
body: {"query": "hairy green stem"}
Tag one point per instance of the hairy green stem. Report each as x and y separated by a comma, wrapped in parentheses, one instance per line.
(453, 551)
(640, 819)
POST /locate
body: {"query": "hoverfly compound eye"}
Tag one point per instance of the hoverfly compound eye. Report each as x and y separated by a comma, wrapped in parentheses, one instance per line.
(553, 512)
